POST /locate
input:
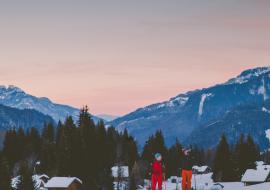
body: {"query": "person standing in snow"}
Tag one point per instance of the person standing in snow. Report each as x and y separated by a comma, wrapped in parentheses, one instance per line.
(156, 170)
(187, 170)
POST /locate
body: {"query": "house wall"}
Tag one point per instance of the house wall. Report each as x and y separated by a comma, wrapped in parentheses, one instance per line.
(252, 183)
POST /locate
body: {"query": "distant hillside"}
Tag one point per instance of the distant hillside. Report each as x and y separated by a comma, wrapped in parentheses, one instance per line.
(15, 97)
(179, 116)
(10, 117)
(253, 117)
(107, 117)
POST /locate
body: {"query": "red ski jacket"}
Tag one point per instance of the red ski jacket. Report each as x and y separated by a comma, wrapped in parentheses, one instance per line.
(157, 168)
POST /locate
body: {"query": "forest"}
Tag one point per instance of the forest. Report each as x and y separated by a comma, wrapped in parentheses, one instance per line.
(88, 152)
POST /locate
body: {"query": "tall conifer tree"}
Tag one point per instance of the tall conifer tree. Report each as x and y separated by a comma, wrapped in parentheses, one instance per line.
(222, 170)
(87, 168)
(66, 157)
(5, 176)
(25, 179)
(239, 157)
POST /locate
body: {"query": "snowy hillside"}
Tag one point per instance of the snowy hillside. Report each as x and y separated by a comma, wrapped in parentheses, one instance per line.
(179, 116)
(252, 117)
(248, 75)
(16, 98)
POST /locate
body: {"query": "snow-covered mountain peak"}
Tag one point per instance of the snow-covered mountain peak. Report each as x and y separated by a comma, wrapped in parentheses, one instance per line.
(14, 88)
(15, 97)
(248, 75)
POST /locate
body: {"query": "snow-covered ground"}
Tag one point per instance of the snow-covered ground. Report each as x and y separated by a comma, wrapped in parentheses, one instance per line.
(204, 182)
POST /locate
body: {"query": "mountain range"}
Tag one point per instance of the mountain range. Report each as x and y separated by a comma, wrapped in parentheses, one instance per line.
(182, 114)
(16, 98)
(198, 116)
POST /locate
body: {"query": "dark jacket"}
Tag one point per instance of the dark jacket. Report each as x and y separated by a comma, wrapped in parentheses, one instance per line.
(188, 162)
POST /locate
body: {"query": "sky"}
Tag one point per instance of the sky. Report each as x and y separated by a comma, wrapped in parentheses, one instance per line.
(118, 56)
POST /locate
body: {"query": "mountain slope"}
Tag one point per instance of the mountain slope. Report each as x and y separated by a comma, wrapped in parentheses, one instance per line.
(107, 117)
(10, 117)
(15, 97)
(179, 116)
(252, 117)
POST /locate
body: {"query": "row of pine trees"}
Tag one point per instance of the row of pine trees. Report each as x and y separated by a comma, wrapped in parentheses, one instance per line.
(84, 150)
(89, 151)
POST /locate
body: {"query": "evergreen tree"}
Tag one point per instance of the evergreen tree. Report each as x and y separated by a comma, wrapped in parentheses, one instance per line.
(131, 151)
(58, 134)
(112, 135)
(175, 159)
(148, 153)
(239, 157)
(66, 157)
(35, 141)
(25, 179)
(7, 148)
(103, 163)
(87, 168)
(201, 158)
(196, 154)
(22, 142)
(5, 176)
(250, 153)
(160, 147)
(222, 169)
(258, 153)
(50, 132)
(232, 150)
(47, 158)
(44, 132)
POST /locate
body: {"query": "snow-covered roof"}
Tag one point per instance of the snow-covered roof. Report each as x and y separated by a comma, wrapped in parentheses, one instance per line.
(263, 166)
(40, 176)
(255, 175)
(124, 171)
(200, 168)
(61, 182)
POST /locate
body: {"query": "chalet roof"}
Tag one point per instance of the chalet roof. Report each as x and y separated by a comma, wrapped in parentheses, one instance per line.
(40, 176)
(124, 171)
(200, 168)
(61, 182)
(255, 175)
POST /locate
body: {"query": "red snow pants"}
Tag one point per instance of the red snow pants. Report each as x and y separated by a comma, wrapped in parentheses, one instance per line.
(186, 179)
(157, 178)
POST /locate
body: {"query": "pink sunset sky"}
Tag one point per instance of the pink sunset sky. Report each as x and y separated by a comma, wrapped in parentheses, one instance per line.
(117, 56)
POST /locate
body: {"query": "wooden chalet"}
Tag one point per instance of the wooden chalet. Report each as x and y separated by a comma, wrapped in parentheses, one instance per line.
(63, 183)
(201, 169)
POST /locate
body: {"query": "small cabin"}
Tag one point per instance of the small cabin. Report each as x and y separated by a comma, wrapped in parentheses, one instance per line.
(252, 177)
(201, 169)
(123, 173)
(63, 183)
